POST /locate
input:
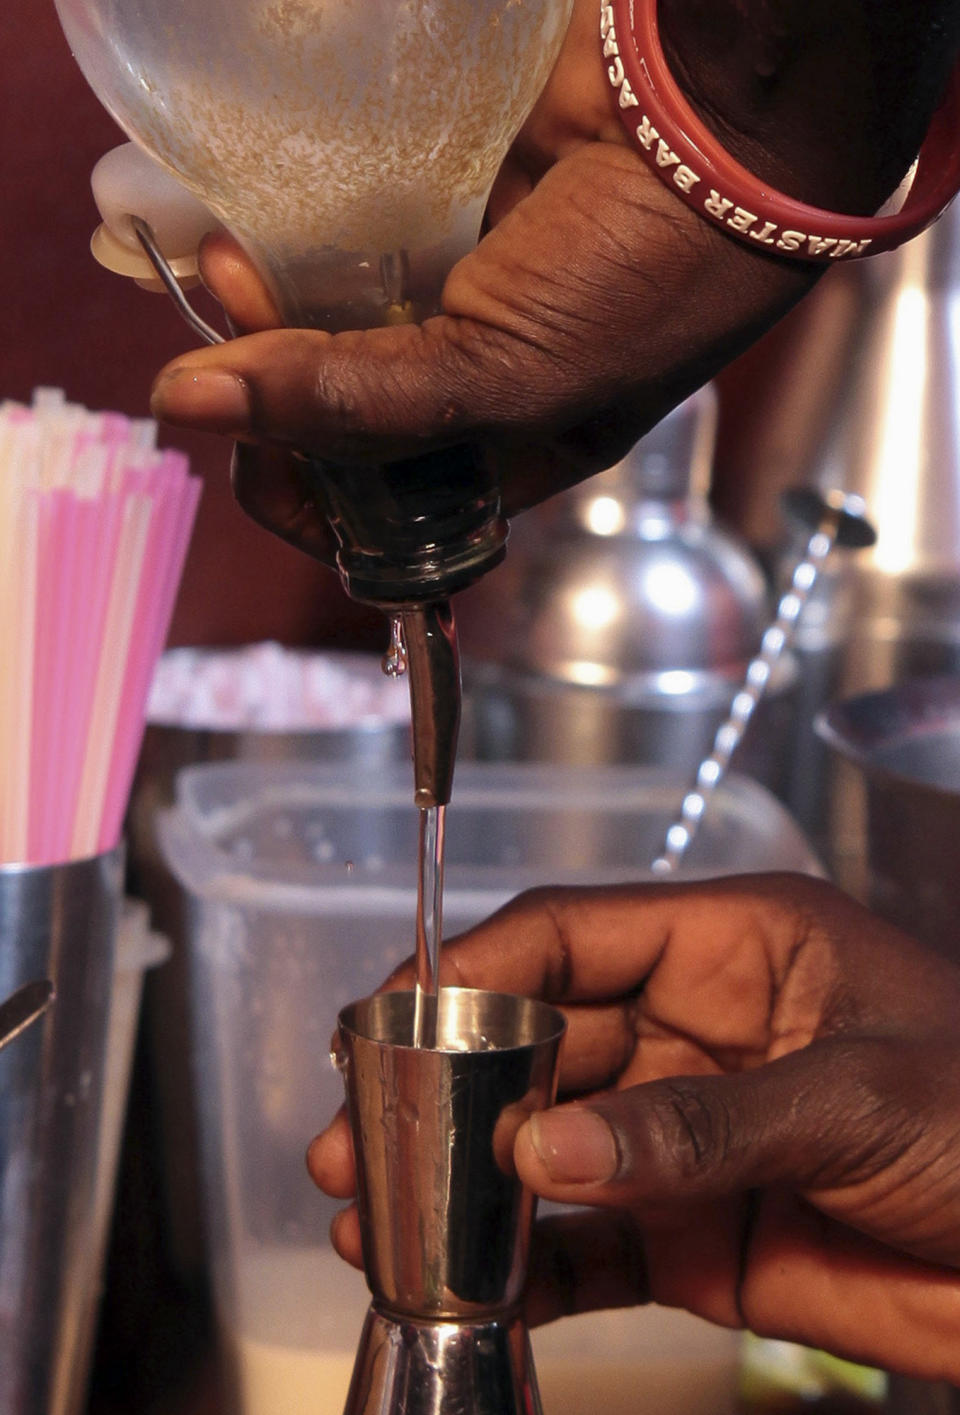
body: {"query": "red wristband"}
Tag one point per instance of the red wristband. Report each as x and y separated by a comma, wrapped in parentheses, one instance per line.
(693, 163)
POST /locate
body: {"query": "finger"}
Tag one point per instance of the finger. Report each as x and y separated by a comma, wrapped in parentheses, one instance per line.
(593, 1261)
(370, 395)
(850, 1122)
(693, 1138)
(752, 966)
(573, 945)
(345, 1236)
(230, 276)
(561, 945)
(799, 1278)
(513, 183)
(585, 1262)
(685, 977)
(598, 1046)
(330, 1159)
(599, 1039)
(273, 487)
(508, 353)
(819, 1283)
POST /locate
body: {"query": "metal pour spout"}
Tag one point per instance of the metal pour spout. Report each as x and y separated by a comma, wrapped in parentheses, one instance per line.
(433, 665)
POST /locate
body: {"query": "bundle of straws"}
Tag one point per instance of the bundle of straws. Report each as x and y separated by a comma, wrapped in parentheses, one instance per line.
(94, 529)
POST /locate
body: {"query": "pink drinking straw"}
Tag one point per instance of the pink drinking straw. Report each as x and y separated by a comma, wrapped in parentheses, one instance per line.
(118, 631)
(56, 598)
(94, 529)
(98, 533)
(11, 668)
(173, 525)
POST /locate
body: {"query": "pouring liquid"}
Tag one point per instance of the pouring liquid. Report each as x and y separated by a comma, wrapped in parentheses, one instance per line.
(429, 925)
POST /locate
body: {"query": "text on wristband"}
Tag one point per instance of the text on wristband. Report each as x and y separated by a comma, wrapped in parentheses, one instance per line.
(721, 209)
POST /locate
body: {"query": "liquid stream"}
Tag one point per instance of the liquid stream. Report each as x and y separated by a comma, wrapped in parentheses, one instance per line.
(429, 925)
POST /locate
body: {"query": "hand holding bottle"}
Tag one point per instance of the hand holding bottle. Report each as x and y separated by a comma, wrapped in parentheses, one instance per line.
(596, 301)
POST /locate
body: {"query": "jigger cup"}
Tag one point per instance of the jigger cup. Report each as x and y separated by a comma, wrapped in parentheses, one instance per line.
(445, 1221)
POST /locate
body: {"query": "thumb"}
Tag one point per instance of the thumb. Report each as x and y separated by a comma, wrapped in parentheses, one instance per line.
(373, 394)
(817, 1119)
(544, 329)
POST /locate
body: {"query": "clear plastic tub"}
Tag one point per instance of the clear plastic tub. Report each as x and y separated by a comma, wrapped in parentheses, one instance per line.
(301, 892)
(256, 702)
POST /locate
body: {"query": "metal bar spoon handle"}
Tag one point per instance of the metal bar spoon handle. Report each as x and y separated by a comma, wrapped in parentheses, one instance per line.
(24, 1006)
(835, 518)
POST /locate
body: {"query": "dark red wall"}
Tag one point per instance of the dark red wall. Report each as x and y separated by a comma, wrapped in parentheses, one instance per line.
(64, 321)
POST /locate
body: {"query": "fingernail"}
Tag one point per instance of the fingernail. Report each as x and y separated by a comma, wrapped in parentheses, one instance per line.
(575, 1145)
(213, 399)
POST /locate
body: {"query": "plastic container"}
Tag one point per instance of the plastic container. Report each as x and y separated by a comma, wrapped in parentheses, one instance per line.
(261, 702)
(139, 950)
(301, 896)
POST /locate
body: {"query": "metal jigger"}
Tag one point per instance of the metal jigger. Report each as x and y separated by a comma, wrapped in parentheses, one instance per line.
(445, 1221)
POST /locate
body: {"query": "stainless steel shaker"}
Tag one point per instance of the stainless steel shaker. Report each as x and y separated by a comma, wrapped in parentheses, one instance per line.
(57, 921)
(902, 746)
(445, 1221)
(623, 619)
(865, 400)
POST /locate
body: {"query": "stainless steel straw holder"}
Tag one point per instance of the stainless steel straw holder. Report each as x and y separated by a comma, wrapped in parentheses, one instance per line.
(445, 1221)
(57, 922)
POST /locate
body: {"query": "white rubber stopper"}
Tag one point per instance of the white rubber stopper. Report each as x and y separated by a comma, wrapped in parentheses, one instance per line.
(127, 183)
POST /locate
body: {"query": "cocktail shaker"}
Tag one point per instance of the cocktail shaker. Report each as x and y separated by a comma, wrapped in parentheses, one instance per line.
(59, 922)
(445, 1221)
(623, 620)
(862, 396)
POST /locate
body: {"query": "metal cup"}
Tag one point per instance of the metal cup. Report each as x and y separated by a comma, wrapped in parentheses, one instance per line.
(899, 801)
(445, 1221)
(58, 922)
